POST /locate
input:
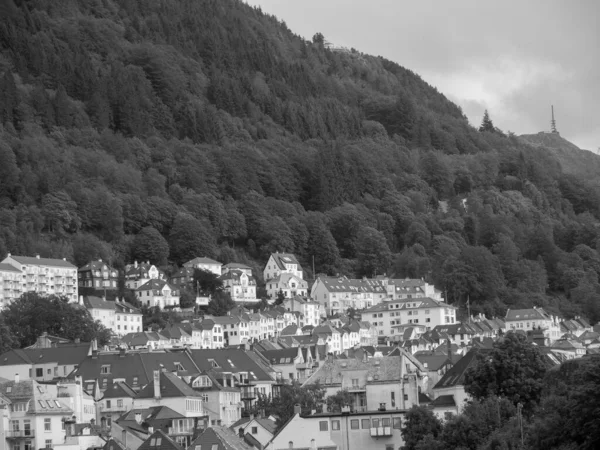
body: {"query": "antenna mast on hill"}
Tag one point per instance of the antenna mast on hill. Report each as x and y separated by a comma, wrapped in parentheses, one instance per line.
(553, 122)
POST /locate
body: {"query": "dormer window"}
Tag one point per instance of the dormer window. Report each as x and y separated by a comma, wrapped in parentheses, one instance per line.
(179, 367)
(105, 369)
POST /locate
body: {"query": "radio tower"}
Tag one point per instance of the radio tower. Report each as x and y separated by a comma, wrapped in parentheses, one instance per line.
(553, 122)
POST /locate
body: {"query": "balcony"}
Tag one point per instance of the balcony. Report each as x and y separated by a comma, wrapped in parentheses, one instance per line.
(113, 408)
(381, 431)
(20, 434)
(357, 388)
(175, 431)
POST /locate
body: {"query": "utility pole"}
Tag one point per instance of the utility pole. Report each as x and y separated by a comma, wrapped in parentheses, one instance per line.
(553, 122)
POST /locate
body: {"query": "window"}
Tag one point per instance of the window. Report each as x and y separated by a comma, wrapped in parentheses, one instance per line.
(120, 403)
(365, 423)
(397, 424)
(42, 404)
(335, 425)
(375, 423)
(105, 369)
(28, 445)
(386, 422)
(48, 443)
(47, 425)
(389, 446)
(39, 372)
(393, 395)
(354, 424)
(108, 404)
(448, 415)
(323, 425)
(254, 430)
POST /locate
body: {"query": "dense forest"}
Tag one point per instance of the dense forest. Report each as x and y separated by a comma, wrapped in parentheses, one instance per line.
(166, 129)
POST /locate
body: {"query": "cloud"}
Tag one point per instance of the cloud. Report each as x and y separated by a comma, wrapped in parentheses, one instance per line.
(512, 57)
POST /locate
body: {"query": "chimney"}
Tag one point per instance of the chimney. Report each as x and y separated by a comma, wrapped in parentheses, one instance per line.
(17, 378)
(138, 418)
(297, 408)
(241, 432)
(157, 384)
(151, 430)
(135, 264)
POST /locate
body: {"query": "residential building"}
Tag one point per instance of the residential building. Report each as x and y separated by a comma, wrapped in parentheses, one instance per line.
(98, 275)
(43, 364)
(10, 284)
(337, 294)
(331, 336)
(393, 381)
(119, 316)
(533, 318)
(284, 273)
(237, 266)
(311, 310)
(46, 276)
(377, 429)
(138, 274)
(285, 362)
(240, 286)
(36, 414)
(235, 329)
(255, 429)
(158, 293)
(426, 311)
(182, 278)
(404, 289)
(167, 389)
(207, 264)
(221, 398)
(151, 340)
(117, 400)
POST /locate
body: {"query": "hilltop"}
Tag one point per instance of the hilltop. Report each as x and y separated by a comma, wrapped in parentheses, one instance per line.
(186, 128)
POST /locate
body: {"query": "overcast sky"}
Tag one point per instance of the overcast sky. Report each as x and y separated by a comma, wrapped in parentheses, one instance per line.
(514, 58)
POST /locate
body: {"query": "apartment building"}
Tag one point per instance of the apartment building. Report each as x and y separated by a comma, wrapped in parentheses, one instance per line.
(157, 293)
(311, 310)
(337, 294)
(119, 316)
(534, 318)
(10, 284)
(283, 273)
(423, 311)
(46, 276)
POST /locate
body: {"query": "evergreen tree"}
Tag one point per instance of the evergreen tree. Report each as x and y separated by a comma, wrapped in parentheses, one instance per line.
(487, 124)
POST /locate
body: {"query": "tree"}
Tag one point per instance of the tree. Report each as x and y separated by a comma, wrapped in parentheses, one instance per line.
(318, 38)
(206, 283)
(33, 314)
(341, 398)
(7, 340)
(487, 124)
(149, 245)
(220, 304)
(190, 238)
(514, 369)
(419, 423)
(372, 251)
(279, 299)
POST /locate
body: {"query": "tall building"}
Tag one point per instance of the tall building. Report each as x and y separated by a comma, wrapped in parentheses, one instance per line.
(10, 284)
(46, 276)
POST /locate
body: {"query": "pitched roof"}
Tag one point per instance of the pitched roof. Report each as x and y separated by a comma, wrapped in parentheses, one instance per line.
(119, 389)
(456, 374)
(37, 261)
(66, 354)
(234, 265)
(95, 265)
(141, 338)
(290, 330)
(444, 401)
(223, 437)
(230, 360)
(153, 284)
(408, 303)
(282, 356)
(8, 268)
(432, 361)
(281, 259)
(201, 260)
(526, 314)
(345, 284)
(159, 441)
(170, 386)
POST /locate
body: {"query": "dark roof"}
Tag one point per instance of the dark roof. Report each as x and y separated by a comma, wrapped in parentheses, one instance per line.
(456, 374)
(95, 265)
(141, 338)
(281, 356)
(92, 302)
(444, 401)
(526, 314)
(8, 268)
(281, 259)
(267, 424)
(119, 389)
(432, 361)
(223, 437)
(159, 441)
(170, 386)
(113, 444)
(34, 260)
(240, 359)
(201, 260)
(66, 354)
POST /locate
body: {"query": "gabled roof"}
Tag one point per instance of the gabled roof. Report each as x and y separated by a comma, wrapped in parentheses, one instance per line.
(526, 314)
(286, 277)
(201, 260)
(119, 389)
(456, 375)
(159, 441)
(282, 356)
(153, 284)
(113, 444)
(141, 338)
(170, 386)
(184, 272)
(63, 355)
(230, 360)
(281, 259)
(37, 261)
(95, 265)
(345, 284)
(444, 401)
(235, 275)
(223, 437)
(432, 361)
(408, 303)
(239, 266)
(290, 330)
(8, 268)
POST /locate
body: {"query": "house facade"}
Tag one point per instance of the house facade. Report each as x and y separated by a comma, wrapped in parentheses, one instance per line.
(240, 286)
(207, 264)
(10, 284)
(337, 294)
(46, 276)
(533, 318)
(138, 274)
(119, 316)
(284, 273)
(158, 293)
(97, 275)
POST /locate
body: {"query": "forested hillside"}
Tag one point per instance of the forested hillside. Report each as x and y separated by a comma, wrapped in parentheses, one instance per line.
(166, 129)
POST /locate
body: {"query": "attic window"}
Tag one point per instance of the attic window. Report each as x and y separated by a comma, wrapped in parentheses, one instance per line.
(50, 405)
(179, 367)
(58, 405)
(105, 369)
(135, 381)
(213, 363)
(40, 390)
(42, 404)
(8, 389)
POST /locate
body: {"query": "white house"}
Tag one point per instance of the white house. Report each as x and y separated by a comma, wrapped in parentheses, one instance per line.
(240, 285)
(337, 294)
(118, 316)
(311, 310)
(279, 263)
(138, 274)
(10, 284)
(157, 293)
(207, 264)
(533, 318)
(287, 283)
(46, 276)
